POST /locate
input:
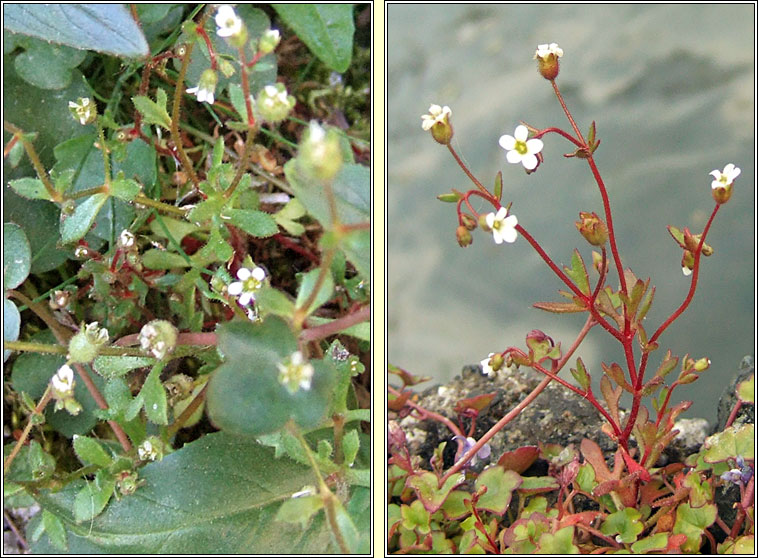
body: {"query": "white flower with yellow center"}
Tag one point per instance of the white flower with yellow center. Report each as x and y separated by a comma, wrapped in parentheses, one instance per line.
(503, 226)
(250, 282)
(295, 373)
(725, 178)
(520, 149)
(436, 114)
(228, 22)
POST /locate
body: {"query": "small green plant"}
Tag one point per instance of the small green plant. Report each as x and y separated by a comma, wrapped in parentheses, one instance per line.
(186, 270)
(580, 505)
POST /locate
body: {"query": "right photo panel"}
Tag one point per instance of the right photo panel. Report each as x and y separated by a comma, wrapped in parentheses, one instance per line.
(570, 251)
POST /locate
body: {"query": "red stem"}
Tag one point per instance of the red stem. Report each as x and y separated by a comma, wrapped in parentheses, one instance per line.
(431, 414)
(465, 169)
(209, 46)
(246, 89)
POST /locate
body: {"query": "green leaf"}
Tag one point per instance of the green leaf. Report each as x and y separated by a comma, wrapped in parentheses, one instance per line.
(156, 403)
(578, 273)
(560, 307)
(256, 223)
(106, 28)
(429, 493)
(217, 484)
(17, 256)
(299, 510)
(45, 65)
(562, 542)
(350, 446)
(94, 496)
(500, 486)
(161, 259)
(154, 112)
(90, 452)
(692, 522)
(626, 523)
(245, 395)
(269, 300)
(730, 443)
(327, 29)
(115, 366)
(30, 188)
(78, 224)
(306, 288)
(125, 189)
(55, 531)
(177, 228)
(580, 374)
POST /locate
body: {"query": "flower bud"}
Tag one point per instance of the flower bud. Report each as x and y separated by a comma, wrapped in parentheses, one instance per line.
(701, 364)
(206, 87)
(468, 221)
(320, 153)
(151, 449)
(85, 345)
(483, 223)
(463, 236)
(547, 59)
(226, 67)
(592, 228)
(688, 263)
(273, 103)
(269, 41)
(158, 338)
(59, 299)
(438, 121)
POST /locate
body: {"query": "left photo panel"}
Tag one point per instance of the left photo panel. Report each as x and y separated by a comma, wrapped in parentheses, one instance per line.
(187, 278)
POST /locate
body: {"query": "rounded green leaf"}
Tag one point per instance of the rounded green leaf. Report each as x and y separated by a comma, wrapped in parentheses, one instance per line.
(78, 224)
(245, 395)
(90, 452)
(30, 188)
(17, 256)
(327, 29)
(101, 27)
(218, 485)
(11, 324)
(46, 65)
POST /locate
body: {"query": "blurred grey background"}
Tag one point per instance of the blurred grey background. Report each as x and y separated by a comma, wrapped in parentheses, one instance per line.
(671, 88)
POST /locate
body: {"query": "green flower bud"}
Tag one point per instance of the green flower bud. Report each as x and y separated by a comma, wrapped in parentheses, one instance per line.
(463, 236)
(592, 228)
(158, 338)
(269, 41)
(320, 154)
(273, 103)
(85, 345)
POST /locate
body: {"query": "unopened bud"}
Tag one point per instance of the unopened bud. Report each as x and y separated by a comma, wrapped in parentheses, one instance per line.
(463, 236)
(320, 153)
(468, 221)
(269, 41)
(592, 228)
(688, 262)
(702, 364)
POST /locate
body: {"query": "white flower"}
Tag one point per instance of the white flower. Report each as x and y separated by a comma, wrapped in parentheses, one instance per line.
(436, 114)
(543, 51)
(295, 373)
(228, 21)
(724, 179)
(250, 281)
(486, 368)
(203, 95)
(85, 110)
(146, 451)
(63, 381)
(521, 150)
(268, 41)
(96, 334)
(503, 228)
(126, 239)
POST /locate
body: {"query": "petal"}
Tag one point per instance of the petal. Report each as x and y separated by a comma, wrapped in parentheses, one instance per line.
(243, 274)
(534, 145)
(245, 299)
(728, 169)
(507, 142)
(259, 274)
(514, 156)
(490, 219)
(434, 110)
(209, 98)
(235, 288)
(501, 213)
(521, 133)
(497, 236)
(715, 174)
(715, 184)
(687, 271)
(509, 234)
(511, 221)
(529, 161)
(735, 172)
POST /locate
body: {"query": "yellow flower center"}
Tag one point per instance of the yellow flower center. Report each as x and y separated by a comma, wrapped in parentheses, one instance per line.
(521, 147)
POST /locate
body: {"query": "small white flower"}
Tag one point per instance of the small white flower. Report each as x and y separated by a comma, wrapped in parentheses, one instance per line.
(486, 368)
(503, 227)
(269, 41)
(126, 239)
(436, 114)
(521, 150)
(146, 451)
(250, 281)
(84, 110)
(543, 51)
(724, 179)
(203, 95)
(96, 334)
(686, 270)
(295, 373)
(63, 381)
(228, 21)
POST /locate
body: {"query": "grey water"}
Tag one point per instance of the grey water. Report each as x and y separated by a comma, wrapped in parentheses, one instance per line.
(672, 90)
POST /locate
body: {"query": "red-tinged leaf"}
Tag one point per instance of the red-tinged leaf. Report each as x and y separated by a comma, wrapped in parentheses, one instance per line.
(520, 459)
(397, 403)
(605, 304)
(407, 378)
(578, 273)
(477, 403)
(594, 456)
(615, 373)
(581, 375)
(581, 518)
(675, 542)
(560, 307)
(612, 396)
